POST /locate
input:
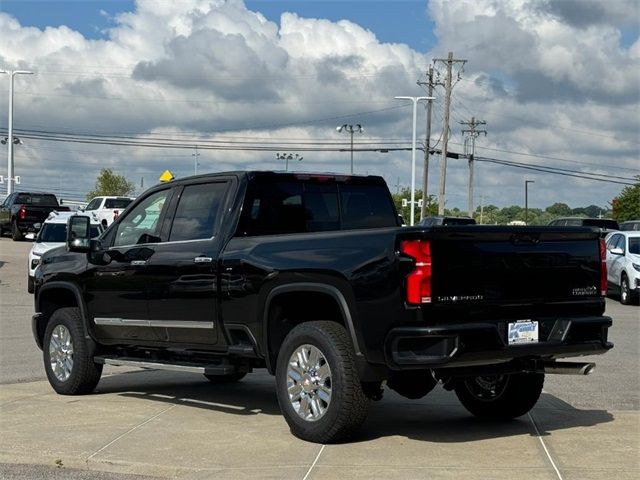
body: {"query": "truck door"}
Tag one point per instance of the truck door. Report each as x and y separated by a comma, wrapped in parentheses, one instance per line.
(183, 272)
(117, 289)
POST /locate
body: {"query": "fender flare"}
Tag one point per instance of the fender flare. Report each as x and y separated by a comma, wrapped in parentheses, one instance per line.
(73, 288)
(309, 287)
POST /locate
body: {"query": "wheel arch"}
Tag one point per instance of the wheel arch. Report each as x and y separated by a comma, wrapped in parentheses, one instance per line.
(53, 296)
(281, 315)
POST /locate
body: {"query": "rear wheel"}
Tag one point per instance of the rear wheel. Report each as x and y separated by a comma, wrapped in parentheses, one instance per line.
(317, 384)
(68, 356)
(16, 234)
(229, 378)
(625, 291)
(500, 397)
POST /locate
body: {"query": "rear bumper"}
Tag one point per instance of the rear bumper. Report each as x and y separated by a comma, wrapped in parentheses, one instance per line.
(472, 344)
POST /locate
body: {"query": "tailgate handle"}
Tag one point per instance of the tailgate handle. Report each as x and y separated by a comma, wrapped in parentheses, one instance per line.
(138, 263)
(525, 239)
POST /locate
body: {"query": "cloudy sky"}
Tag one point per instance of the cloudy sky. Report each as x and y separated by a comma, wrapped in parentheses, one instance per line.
(557, 82)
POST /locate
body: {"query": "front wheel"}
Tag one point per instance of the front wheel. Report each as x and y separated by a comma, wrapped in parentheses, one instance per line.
(317, 384)
(68, 356)
(500, 397)
(625, 292)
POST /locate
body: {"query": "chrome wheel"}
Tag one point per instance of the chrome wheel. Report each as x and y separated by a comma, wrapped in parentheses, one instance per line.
(624, 290)
(61, 353)
(309, 382)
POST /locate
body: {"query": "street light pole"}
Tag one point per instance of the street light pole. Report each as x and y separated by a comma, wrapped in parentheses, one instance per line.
(415, 101)
(526, 200)
(350, 129)
(10, 176)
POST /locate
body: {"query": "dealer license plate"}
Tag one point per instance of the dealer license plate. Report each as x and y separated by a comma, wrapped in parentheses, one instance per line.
(523, 331)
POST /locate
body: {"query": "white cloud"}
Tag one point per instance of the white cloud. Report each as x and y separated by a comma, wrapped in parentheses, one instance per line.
(548, 80)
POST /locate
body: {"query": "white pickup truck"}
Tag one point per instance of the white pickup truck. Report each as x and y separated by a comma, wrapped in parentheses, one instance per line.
(107, 209)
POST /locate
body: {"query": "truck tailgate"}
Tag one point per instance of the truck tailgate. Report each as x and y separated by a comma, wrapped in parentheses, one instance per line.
(514, 265)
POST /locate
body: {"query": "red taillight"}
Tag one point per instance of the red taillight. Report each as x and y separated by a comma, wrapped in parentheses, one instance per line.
(603, 268)
(22, 213)
(419, 280)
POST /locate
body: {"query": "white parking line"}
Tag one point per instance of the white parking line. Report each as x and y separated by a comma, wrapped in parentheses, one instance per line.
(128, 432)
(314, 463)
(553, 464)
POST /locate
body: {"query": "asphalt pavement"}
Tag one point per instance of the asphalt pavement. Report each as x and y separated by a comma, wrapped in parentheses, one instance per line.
(144, 423)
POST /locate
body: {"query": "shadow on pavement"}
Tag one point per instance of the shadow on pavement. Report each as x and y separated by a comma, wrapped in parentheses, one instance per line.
(437, 418)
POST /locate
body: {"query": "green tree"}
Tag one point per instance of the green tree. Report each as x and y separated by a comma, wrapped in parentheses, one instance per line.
(109, 183)
(626, 206)
(559, 210)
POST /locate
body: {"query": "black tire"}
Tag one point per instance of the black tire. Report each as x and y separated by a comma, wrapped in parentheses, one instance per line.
(30, 284)
(348, 406)
(625, 292)
(228, 378)
(16, 234)
(84, 373)
(500, 397)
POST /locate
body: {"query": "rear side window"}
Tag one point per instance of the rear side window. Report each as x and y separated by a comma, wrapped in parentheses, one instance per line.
(281, 207)
(197, 211)
(365, 206)
(121, 203)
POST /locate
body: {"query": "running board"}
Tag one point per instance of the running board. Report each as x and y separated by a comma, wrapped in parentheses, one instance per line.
(223, 369)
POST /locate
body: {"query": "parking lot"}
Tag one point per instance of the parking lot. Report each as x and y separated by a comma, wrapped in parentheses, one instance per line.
(161, 424)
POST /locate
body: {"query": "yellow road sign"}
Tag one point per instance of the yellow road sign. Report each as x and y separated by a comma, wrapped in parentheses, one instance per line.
(166, 176)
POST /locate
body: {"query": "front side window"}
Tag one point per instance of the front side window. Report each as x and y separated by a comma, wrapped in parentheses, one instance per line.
(197, 211)
(142, 224)
(94, 204)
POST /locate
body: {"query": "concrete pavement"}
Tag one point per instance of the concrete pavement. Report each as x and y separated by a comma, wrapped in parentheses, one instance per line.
(167, 425)
(180, 426)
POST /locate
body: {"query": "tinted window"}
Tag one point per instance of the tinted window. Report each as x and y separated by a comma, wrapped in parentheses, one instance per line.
(121, 203)
(197, 211)
(366, 206)
(57, 232)
(279, 207)
(634, 245)
(619, 243)
(142, 224)
(45, 200)
(94, 204)
(573, 222)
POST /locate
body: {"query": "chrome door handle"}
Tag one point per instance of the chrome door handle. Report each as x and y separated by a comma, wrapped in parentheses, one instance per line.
(138, 263)
(203, 259)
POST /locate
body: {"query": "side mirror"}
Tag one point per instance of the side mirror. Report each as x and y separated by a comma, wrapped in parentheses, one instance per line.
(78, 233)
(37, 226)
(617, 251)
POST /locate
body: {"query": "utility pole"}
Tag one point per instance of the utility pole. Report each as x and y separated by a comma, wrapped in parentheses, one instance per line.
(427, 145)
(449, 61)
(195, 163)
(350, 129)
(10, 139)
(472, 134)
(526, 200)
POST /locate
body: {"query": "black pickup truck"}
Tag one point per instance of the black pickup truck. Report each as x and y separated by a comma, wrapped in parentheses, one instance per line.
(311, 277)
(20, 211)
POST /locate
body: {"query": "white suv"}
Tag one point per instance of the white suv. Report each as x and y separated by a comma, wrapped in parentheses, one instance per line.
(623, 265)
(107, 209)
(52, 234)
